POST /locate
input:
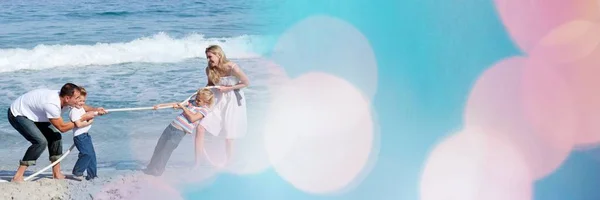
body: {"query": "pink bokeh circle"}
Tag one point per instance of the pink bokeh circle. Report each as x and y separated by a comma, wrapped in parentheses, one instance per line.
(528, 21)
(497, 102)
(569, 54)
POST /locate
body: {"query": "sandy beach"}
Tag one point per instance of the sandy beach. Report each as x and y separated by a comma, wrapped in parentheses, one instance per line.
(113, 184)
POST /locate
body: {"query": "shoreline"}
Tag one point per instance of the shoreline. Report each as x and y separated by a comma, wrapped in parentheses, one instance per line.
(111, 184)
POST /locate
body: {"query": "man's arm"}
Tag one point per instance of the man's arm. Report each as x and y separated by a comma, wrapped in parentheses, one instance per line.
(79, 123)
(64, 127)
(81, 118)
(61, 125)
(53, 112)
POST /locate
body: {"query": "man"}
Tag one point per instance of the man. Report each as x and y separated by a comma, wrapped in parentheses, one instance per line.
(33, 114)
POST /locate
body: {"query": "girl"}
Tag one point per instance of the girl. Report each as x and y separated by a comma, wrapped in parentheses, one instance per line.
(185, 123)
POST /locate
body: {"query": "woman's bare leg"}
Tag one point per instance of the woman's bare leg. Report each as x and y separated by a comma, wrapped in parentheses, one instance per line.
(229, 150)
(198, 145)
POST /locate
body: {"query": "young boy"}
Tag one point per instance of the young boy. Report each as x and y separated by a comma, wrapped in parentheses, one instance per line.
(83, 141)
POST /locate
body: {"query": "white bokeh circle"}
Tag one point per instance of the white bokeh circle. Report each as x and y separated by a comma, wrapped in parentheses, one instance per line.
(319, 133)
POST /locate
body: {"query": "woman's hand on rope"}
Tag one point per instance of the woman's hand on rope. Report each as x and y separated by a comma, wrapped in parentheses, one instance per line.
(224, 89)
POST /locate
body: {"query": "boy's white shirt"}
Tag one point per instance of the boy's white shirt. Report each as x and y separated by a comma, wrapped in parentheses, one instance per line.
(75, 114)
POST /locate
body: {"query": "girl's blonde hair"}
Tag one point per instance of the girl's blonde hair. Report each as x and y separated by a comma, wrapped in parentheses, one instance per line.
(207, 94)
(214, 73)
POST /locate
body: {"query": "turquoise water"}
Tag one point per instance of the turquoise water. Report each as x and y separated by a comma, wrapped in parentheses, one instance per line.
(132, 54)
(26, 24)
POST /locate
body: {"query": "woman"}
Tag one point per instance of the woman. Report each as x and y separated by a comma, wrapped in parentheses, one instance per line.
(228, 115)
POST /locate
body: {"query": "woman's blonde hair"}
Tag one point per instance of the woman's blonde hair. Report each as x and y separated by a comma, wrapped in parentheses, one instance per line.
(207, 94)
(214, 73)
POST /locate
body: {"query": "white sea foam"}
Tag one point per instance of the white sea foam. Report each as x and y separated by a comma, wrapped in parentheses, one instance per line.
(159, 48)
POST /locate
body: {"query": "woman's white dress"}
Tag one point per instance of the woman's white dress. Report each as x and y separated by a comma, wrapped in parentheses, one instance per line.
(228, 115)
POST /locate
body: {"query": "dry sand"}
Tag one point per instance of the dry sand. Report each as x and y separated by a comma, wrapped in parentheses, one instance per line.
(113, 185)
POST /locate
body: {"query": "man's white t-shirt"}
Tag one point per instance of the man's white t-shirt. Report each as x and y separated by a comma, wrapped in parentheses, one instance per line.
(38, 105)
(75, 115)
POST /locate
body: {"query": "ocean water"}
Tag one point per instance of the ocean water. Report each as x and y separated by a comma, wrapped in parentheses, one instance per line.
(126, 54)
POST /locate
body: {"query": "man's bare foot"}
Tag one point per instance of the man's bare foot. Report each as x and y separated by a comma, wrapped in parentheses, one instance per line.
(17, 180)
(58, 176)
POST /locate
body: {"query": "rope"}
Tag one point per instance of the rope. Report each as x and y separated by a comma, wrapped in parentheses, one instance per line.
(133, 109)
(112, 110)
(213, 163)
(151, 108)
(51, 165)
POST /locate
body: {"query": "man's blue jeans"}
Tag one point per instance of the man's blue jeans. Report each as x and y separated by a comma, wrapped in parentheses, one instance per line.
(40, 134)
